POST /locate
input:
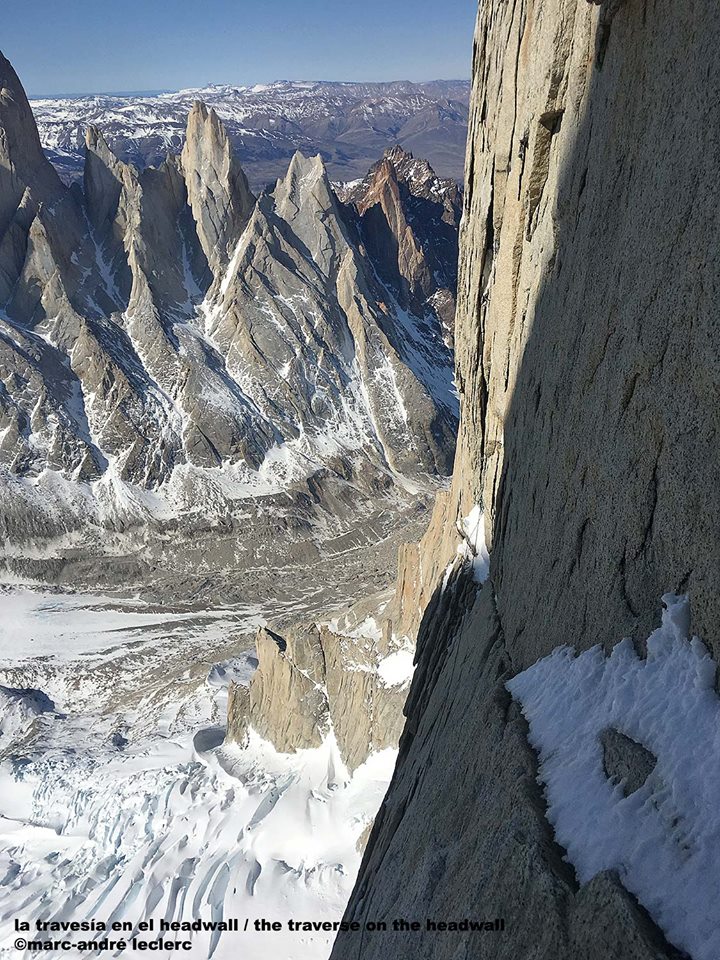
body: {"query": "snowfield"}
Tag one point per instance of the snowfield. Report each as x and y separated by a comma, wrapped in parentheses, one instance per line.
(119, 801)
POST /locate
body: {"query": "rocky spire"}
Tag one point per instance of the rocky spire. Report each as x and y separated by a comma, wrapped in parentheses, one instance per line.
(306, 178)
(418, 175)
(408, 219)
(390, 235)
(41, 222)
(298, 265)
(111, 193)
(27, 178)
(218, 191)
(105, 178)
(306, 200)
(22, 161)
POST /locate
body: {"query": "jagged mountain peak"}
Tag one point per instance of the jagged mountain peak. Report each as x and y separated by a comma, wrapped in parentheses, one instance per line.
(417, 173)
(306, 181)
(201, 330)
(96, 142)
(204, 120)
(218, 190)
(302, 167)
(104, 179)
(398, 165)
(20, 143)
(408, 219)
(405, 167)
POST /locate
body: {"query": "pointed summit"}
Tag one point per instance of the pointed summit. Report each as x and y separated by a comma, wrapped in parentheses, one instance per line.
(218, 191)
(408, 219)
(19, 139)
(416, 173)
(104, 179)
(306, 178)
(29, 190)
(305, 200)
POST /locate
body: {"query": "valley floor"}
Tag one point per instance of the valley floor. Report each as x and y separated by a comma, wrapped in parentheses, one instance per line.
(119, 801)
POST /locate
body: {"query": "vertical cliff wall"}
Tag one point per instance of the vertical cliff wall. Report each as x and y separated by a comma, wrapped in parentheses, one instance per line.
(588, 363)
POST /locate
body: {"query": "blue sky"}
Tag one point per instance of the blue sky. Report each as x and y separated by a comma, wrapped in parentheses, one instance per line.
(79, 46)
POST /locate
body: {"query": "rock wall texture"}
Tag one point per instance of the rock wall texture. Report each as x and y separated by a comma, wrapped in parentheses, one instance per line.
(587, 341)
(315, 680)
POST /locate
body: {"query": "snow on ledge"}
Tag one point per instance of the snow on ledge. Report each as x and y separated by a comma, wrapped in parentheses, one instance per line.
(663, 839)
(473, 546)
(396, 669)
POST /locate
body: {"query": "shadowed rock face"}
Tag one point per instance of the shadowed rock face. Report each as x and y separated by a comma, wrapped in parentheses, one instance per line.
(587, 366)
(27, 180)
(22, 161)
(162, 323)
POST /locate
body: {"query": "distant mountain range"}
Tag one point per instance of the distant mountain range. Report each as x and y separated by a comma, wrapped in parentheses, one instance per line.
(348, 124)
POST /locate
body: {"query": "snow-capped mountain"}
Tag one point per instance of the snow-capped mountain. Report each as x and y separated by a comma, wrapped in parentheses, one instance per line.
(172, 345)
(349, 124)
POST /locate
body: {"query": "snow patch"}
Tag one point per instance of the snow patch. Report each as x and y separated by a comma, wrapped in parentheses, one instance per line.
(664, 838)
(473, 547)
(397, 668)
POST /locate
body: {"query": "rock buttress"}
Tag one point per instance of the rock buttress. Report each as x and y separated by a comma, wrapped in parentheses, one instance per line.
(587, 363)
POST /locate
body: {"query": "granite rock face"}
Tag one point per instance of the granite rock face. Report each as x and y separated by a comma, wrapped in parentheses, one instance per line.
(586, 343)
(171, 345)
(217, 188)
(285, 703)
(22, 162)
(314, 681)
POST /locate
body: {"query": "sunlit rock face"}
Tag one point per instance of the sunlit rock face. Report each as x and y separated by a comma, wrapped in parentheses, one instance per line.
(315, 681)
(586, 365)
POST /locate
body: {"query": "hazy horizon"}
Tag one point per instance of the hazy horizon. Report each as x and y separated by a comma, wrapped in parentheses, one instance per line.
(141, 47)
(78, 94)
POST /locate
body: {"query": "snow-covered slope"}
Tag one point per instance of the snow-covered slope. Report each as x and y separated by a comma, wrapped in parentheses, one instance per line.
(655, 822)
(349, 123)
(118, 801)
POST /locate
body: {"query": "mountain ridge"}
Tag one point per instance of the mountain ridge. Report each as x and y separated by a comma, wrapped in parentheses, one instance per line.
(350, 124)
(172, 344)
